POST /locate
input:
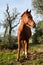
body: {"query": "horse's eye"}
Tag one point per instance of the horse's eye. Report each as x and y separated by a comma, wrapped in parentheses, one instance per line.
(31, 17)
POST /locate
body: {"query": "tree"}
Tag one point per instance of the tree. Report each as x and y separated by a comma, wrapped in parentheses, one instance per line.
(38, 35)
(9, 21)
(38, 6)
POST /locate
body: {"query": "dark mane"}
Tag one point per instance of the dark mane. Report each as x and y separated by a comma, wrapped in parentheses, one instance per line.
(25, 12)
(22, 14)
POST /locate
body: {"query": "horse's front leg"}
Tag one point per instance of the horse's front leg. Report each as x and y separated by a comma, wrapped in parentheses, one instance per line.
(26, 49)
(18, 56)
(23, 47)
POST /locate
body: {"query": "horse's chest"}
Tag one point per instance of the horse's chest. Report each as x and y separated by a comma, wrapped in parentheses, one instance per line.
(25, 33)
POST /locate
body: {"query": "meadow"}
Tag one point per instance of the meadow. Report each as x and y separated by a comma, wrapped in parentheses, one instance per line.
(8, 57)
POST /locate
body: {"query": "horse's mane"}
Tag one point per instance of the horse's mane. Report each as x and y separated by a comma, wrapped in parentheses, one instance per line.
(22, 14)
(25, 12)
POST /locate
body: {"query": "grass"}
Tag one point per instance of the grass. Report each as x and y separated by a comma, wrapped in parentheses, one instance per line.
(35, 62)
(8, 57)
(35, 46)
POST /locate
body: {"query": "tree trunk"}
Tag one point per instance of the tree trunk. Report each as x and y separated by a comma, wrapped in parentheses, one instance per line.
(10, 29)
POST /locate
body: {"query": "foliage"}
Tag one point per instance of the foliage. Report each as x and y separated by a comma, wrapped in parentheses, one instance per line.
(38, 6)
(38, 35)
(4, 44)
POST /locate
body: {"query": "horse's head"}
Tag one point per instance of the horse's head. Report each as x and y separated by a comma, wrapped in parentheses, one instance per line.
(27, 18)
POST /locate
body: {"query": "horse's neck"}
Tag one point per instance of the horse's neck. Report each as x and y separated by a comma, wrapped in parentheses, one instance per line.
(21, 26)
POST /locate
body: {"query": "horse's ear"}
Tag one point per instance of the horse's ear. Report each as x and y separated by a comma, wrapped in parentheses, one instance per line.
(27, 10)
(30, 11)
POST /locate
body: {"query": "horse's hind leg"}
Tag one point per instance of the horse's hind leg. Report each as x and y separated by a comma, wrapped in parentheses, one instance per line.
(18, 56)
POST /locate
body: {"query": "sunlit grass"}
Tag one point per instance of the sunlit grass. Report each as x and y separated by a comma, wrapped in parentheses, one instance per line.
(8, 57)
(36, 46)
(34, 62)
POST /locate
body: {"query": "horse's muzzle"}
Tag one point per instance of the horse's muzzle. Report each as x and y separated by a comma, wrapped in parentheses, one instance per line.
(34, 26)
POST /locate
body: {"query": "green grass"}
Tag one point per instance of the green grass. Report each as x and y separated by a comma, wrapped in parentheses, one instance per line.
(34, 62)
(8, 57)
(35, 46)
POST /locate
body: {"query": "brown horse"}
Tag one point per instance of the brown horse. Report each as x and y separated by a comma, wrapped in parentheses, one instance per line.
(24, 32)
